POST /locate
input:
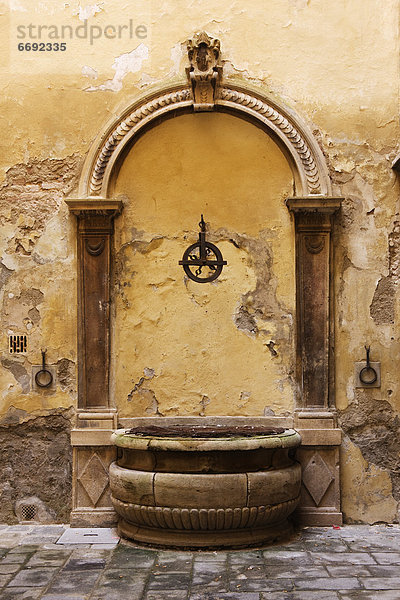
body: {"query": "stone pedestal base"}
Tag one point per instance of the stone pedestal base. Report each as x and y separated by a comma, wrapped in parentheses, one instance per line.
(205, 539)
(92, 456)
(93, 517)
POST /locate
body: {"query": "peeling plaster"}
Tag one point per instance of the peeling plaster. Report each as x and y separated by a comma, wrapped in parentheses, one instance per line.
(88, 11)
(130, 62)
(177, 56)
(89, 72)
(16, 6)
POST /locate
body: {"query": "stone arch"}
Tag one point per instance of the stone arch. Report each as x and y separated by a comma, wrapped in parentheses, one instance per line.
(296, 140)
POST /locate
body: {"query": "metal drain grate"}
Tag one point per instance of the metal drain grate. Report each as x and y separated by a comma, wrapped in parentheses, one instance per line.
(17, 344)
(93, 535)
(28, 512)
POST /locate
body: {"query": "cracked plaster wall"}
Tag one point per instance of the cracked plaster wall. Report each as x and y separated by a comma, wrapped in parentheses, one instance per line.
(336, 64)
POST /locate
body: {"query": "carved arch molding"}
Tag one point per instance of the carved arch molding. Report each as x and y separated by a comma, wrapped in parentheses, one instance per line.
(313, 208)
(310, 173)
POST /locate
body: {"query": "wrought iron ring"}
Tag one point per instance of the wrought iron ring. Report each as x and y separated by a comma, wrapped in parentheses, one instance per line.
(365, 378)
(43, 378)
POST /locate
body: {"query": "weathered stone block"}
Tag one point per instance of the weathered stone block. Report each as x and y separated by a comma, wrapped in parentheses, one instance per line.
(200, 491)
(273, 487)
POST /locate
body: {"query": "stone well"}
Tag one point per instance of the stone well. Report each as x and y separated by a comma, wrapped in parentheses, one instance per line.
(196, 486)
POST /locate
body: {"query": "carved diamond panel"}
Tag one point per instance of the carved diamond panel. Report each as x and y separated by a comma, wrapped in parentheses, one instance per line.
(94, 478)
(317, 477)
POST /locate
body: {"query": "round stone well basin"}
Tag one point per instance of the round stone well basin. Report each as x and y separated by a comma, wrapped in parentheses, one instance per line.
(194, 482)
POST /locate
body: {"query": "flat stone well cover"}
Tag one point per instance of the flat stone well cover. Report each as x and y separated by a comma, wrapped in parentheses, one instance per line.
(204, 431)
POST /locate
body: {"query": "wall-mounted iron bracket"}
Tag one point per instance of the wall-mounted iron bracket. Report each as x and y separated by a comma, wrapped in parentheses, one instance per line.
(367, 374)
(44, 375)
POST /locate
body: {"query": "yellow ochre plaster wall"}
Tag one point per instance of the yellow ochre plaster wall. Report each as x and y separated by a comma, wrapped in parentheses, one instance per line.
(336, 65)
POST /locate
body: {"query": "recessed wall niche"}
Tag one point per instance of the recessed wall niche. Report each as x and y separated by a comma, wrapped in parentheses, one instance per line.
(228, 347)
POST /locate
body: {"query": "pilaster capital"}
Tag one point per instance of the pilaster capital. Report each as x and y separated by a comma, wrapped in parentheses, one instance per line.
(306, 205)
(94, 206)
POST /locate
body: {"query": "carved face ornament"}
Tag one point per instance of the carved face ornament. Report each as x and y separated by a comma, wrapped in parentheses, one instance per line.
(203, 59)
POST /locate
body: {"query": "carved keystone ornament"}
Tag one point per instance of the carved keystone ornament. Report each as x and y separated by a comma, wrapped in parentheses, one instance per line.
(204, 73)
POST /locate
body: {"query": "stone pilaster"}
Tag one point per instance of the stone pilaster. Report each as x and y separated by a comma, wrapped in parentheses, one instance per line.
(315, 413)
(96, 418)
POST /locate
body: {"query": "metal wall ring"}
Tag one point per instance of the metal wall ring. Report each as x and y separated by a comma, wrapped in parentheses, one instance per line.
(364, 378)
(43, 378)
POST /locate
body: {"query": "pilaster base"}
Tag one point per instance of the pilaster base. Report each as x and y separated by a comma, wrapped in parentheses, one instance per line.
(93, 517)
(319, 457)
(92, 455)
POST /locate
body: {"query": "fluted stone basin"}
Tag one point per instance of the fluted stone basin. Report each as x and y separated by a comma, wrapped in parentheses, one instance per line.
(188, 487)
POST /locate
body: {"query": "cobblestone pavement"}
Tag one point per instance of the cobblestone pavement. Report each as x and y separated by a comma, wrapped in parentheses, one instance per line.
(352, 563)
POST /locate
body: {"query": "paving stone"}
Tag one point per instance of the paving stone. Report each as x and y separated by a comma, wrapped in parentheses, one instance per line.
(167, 595)
(349, 558)
(261, 585)
(5, 578)
(250, 557)
(211, 556)
(348, 570)
(225, 596)
(326, 546)
(20, 528)
(9, 542)
(309, 595)
(16, 558)
(120, 583)
(256, 571)
(332, 583)
(24, 548)
(48, 558)
(178, 565)
(9, 568)
(169, 581)
(381, 583)
(324, 532)
(371, 595)
(64, 597)
(168, 555)
(40, 539)
(375, 544)
(49, 529)
(287, 558)
(82, 564)
(383, 571)
(387, 558)
(94, 552)
(290, 546)
(37, 577)
(292, 571)
(74, 582)
(132, 558)
(211, 568)
(209, 575)
(108, 593)
(21, 593)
